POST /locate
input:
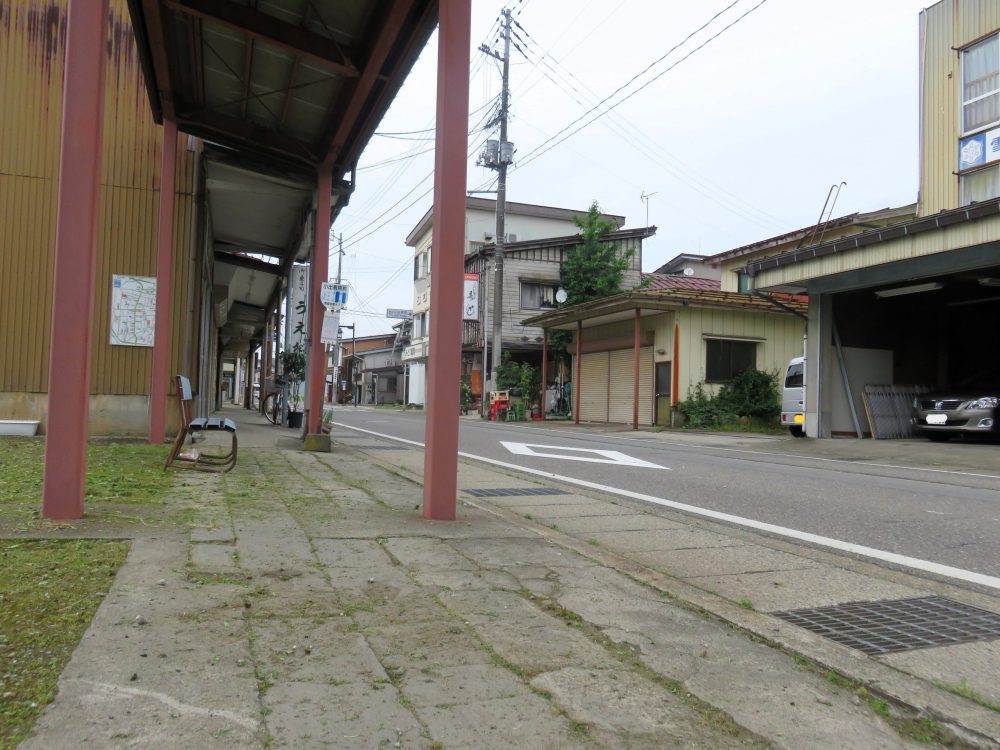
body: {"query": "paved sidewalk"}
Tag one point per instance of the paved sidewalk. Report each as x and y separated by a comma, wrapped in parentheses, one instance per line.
(312, 607)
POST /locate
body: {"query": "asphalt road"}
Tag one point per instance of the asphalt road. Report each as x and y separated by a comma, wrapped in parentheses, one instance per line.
(942, 515)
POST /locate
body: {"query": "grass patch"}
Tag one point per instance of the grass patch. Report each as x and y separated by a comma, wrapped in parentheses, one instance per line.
(49, 591)
(969, 693)
(117, 473)
(745, 603)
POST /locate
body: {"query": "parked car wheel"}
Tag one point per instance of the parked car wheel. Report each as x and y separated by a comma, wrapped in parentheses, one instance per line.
(797, 431)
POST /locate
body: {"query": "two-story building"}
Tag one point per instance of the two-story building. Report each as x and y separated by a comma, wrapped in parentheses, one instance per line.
(917, 300)
(526, 224)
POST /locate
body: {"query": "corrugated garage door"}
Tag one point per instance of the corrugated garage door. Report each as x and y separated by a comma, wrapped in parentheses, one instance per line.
(620, 386)
(620, 407)
(594, 387)
(606, 386)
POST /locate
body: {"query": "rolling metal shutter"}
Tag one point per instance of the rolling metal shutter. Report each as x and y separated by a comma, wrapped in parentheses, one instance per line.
(620, 386)
(620, 407)
(594, 387)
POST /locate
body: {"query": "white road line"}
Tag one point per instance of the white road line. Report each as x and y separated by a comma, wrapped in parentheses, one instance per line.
(804, 536)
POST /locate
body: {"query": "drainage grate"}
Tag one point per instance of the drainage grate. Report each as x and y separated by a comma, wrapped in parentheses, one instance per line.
(514, 491)
(886, 627)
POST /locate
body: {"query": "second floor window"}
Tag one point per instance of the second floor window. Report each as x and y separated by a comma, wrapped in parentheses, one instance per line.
(981, 85)
(980, 185)
(538, 296)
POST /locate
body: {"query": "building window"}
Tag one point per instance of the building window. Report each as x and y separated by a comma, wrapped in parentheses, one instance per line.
(726, 358)
(537, 296)
(743, 282)
(422, 264)
(980, 185)
(420, 325)
(981, 85)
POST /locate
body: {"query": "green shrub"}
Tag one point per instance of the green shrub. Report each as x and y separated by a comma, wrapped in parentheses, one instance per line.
(703, 410)
(752, 394)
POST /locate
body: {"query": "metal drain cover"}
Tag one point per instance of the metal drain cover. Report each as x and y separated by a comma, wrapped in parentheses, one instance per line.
(887, 627)
(514, 491)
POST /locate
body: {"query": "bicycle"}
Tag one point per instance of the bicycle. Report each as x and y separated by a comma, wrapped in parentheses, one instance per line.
(274, 404)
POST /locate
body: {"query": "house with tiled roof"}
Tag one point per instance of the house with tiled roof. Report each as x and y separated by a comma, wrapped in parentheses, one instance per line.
(636, 354)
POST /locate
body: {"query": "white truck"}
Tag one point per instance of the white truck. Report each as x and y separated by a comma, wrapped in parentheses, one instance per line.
(793, 397)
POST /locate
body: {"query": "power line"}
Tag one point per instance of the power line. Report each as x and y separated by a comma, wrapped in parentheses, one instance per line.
(629, 132)
(535, 153)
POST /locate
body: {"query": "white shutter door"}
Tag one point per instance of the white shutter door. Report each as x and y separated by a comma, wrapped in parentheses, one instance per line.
(620, 389)
(594, 387)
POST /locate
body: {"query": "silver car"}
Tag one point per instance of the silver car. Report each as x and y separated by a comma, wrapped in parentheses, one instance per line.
(941, 415)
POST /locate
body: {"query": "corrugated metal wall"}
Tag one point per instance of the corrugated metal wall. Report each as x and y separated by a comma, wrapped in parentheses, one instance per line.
(780, 334)
(945, 28)
(31, 68)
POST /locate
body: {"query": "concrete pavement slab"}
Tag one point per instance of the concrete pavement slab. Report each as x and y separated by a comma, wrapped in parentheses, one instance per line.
(340, 717)
(726, 560)
(525, 722)
(568, 510)
(967, 668)
(818, 586)
(618, 522)
(626, 710)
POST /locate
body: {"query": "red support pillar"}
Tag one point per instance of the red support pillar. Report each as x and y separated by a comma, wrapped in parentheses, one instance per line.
(447, 261)
(158, 387)
(635, 372)
(576, 375)
(75, 260)
(545, 369)
(316, 376)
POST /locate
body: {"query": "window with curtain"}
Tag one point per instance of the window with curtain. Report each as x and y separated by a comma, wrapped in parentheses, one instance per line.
(726, 358)
(981, 85)
(538, 296)
(980, 185)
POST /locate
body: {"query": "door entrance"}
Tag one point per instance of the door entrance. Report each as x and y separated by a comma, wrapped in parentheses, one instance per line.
(663, 373)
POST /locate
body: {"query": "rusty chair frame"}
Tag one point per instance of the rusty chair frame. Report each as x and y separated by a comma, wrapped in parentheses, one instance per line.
(189, 426)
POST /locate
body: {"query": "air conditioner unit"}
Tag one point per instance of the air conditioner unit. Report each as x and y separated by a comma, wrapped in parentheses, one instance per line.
(488, 236)
(511, 237)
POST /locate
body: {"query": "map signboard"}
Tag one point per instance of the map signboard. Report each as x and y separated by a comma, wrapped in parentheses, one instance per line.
(133, 310)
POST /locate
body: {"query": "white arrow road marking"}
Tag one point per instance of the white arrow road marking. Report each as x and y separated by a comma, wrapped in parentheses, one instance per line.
(595, 456)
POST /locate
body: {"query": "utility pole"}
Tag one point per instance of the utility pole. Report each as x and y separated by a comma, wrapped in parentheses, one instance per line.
(497, 155)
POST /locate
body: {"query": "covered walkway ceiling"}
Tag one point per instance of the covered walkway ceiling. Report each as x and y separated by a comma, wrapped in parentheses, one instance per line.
(280, 90)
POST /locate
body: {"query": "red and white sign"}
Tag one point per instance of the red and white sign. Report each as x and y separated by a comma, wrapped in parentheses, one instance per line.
(470, 297)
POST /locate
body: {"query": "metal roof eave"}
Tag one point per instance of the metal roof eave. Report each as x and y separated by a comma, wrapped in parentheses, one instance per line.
(937, 221)
(608, 309)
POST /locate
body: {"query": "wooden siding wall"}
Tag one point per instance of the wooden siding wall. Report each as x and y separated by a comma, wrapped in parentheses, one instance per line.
(781, 336)
(31, 71)
(944, 28)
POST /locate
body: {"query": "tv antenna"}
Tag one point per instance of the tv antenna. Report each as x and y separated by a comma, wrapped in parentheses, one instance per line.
(645, 199)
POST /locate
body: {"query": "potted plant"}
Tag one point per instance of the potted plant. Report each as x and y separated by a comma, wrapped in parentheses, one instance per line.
(293, 370)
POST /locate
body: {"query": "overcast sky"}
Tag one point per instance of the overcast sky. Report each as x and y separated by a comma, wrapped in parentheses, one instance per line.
(738, 142)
